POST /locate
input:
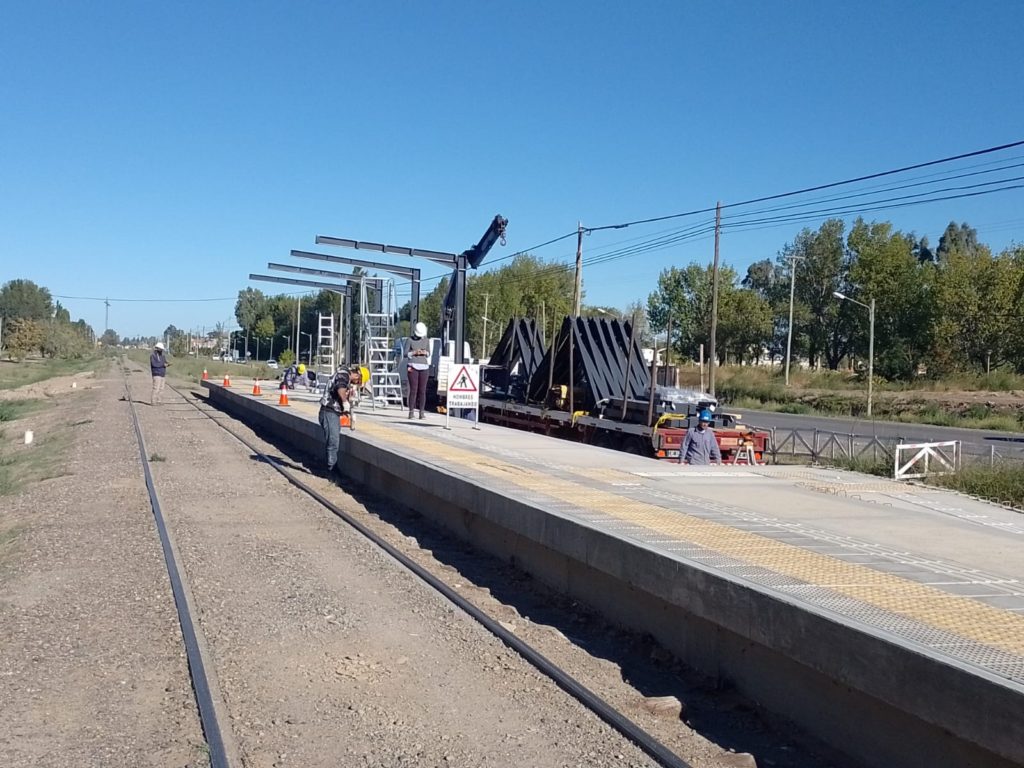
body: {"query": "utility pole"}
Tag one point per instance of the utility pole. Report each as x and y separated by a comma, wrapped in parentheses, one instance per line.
(106, 315)
(483, 340)
(298, 320)
(712, 354)
(789, 334)
(579, 269)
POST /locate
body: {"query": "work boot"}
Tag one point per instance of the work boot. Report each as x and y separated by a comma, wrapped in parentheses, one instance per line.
(422, 417)
(410, 414)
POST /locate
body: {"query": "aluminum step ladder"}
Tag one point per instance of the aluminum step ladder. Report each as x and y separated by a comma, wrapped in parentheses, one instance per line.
(377, 309)
(326, 361)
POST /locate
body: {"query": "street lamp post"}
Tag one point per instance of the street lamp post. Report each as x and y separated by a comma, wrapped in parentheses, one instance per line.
(871, 340)
(309, 356)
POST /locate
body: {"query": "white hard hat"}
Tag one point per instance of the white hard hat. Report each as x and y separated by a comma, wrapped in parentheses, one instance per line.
(160, 346)
(421, 330)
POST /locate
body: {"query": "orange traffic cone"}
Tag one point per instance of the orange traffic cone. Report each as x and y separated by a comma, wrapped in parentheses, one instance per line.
(256, 388)
(227, 380)
(283, 400)
(206, 376)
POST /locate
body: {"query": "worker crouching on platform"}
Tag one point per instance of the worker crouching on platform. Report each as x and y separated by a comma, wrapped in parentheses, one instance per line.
(333, 403)
(700, 446)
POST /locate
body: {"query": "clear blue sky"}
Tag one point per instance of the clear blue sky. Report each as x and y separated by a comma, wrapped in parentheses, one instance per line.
(167, 150)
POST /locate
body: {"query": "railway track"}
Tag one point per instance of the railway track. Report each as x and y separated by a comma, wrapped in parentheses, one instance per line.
(219, 743)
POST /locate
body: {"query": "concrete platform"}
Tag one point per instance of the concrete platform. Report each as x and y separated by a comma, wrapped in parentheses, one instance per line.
(888, 619)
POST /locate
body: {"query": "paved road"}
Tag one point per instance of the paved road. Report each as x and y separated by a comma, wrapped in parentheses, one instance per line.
(973, 441)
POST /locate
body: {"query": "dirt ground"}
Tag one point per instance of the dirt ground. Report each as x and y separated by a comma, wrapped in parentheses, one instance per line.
(92, 671)
(325, 651)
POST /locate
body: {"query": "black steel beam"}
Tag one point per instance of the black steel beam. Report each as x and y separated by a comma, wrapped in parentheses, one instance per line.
(411, 273)
(437, 256)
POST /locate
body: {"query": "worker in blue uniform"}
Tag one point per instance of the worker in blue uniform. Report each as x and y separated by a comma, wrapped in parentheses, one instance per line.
(700, 446)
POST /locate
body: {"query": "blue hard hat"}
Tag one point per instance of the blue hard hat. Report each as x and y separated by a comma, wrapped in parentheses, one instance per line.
(704, 415)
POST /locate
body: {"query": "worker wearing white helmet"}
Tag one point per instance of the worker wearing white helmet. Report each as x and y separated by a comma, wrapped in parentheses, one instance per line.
(158, 367)
(417, 360)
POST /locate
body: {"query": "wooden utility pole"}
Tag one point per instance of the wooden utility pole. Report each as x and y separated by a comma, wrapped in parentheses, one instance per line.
(483, 338)
(579, 269)
(712, 354)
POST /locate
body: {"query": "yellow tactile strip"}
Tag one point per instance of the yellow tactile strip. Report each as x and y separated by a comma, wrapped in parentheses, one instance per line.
(962, 616)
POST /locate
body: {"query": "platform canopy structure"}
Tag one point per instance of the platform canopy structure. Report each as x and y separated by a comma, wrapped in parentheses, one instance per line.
(412, 274)
(453, 313)
(377, 310)
(339, 348)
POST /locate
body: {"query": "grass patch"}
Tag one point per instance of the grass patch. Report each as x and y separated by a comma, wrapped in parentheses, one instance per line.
(864, 464)
(13, 375)
(156, 457)
(1002, 484)
(21, 465)
(12, 410)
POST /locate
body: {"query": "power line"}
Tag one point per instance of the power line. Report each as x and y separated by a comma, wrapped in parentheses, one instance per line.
(819, 187)
(221, 298)
(696, 231)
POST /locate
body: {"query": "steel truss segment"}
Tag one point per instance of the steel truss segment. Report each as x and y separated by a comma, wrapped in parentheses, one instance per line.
(438, 256)
(412, 273)
(336, 287)
(320, 272)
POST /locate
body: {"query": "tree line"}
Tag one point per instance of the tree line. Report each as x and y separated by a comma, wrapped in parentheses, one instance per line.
(954, 308)
(33, 323)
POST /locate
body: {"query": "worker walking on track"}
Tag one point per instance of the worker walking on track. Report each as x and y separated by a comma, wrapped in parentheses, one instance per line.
(700, 446)
(158, 367)
(333, 403)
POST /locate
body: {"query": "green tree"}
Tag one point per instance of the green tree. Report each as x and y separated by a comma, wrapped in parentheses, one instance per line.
(109, 338)
(64, 341)
(685, 295)
(265, 328)
(23, 298)
(824, 323)
(60, 314)
(525, 287)
(962, 239)
(745, 324)
(884, 266)
(770, 281)
(23, 336)
(250, 306)
(977, 296)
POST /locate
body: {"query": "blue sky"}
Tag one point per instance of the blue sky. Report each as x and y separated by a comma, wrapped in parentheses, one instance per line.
(164, 151)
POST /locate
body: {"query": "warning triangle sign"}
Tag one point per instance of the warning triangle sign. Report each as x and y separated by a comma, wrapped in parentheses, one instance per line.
(462, 381)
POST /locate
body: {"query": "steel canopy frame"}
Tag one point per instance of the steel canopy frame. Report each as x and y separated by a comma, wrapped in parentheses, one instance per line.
(455, 302)
(344, 290)
(412, 274)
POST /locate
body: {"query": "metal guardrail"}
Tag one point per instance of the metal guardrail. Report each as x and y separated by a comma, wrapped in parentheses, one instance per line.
(822, 445)
(819, 444)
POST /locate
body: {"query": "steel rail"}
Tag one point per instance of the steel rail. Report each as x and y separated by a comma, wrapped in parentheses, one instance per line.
(630, 730)
(196, 665)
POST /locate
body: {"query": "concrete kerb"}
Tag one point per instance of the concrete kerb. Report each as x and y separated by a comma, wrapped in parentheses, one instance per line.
(888, 703)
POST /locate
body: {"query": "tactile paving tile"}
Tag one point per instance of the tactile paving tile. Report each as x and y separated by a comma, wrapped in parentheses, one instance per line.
(872, 597)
